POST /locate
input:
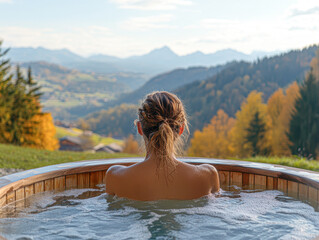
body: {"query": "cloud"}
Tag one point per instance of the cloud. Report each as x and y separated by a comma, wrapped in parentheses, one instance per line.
(151, 4)
(148, 23)
(310, 11)
(5, 1)
(84, 41)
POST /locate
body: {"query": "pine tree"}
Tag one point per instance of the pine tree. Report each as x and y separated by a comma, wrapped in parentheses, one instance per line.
(255, 134)
(6, 93)
(304, 124)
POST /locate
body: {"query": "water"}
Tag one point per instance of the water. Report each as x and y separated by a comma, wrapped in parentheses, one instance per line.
(92, 214)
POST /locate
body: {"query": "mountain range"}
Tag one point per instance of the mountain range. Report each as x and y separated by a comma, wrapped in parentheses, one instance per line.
(155, 62)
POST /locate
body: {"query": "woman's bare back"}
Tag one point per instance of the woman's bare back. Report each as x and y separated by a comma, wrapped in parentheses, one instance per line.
(142, 181)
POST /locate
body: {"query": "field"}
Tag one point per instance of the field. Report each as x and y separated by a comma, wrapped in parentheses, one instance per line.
(27, 158)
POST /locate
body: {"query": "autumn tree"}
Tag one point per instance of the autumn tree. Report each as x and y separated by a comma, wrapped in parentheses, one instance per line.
(21, 119)
(279, 108)
(44, 136)
(304, 124)
(214, 139)
(131, 145)
(244, 118)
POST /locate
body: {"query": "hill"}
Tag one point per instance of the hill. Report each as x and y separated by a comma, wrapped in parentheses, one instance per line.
(64, 88)
(228, 89)
(225, 90)
(167, 81)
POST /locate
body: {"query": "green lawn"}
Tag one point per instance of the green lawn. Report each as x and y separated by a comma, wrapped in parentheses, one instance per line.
(288, 161)
(28, 158)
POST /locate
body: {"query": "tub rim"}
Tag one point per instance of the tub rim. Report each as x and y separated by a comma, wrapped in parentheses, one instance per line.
(14, 181)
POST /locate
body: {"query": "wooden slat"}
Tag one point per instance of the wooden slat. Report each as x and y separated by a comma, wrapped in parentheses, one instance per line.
(29, 190)
(248, 181)
(103, 176)
(282, 185)
(223, 178)
(39, 187)
(275, 183)
(236, 178)
(49, 185)
(95, 179)
(71, 181)
(313, 197)
(3, 201)
(245, 179)
(11, 197)
(270, 183)
(59, 183)
(260, 182)
(293, 189)
(20, 202)
(303, 192)
(20, 194)
(84, 180)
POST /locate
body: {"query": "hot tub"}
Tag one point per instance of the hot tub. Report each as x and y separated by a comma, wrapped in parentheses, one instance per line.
(16, 189)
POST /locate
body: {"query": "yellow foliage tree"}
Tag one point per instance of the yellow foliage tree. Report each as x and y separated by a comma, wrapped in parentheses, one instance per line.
(214, 140)
(280, 107)
(244, 116)
(45, 133)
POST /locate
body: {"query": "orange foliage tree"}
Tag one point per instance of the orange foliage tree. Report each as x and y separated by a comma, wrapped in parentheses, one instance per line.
(214, 140)
(280, 107)
(44, 133)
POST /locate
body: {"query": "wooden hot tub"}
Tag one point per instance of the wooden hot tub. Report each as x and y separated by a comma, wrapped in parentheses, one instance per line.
(297, 183)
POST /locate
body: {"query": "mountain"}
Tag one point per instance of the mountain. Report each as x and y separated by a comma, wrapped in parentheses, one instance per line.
(153, 63)
(225, 89)
(167, 81)
(229, 88)
(28, 54)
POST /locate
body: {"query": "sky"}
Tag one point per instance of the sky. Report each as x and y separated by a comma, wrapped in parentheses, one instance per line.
(134, 27)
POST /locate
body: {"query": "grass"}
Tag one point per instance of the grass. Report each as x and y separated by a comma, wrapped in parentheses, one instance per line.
(28, 158)
(287, 161)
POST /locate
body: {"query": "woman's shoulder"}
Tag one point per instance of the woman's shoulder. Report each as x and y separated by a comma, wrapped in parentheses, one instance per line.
(210, 175)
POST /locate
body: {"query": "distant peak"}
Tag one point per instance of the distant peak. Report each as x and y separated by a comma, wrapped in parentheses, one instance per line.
(164, 49)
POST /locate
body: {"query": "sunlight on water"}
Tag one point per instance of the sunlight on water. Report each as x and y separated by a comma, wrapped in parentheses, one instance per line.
(233, 214)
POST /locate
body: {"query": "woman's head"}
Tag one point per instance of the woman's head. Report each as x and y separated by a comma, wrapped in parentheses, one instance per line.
(163, 120)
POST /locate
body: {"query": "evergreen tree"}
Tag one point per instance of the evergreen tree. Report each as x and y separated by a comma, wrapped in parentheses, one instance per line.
(6, 92)
(255, 133)
(304, 124)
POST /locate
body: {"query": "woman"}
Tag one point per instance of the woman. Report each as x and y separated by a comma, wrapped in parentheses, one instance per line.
(161, 122)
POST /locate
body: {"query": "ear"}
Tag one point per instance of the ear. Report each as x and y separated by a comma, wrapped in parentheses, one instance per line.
(139, 128)
(181, 130)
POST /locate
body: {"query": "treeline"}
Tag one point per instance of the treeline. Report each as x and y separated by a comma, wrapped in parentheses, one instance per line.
(22, 121)
(115, 122)
(229, 88)
(288, 124)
